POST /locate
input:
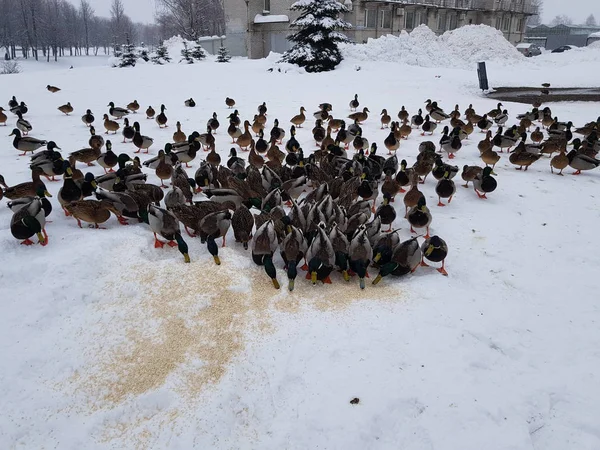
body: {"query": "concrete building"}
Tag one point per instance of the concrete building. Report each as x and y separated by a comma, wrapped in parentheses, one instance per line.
(559, 35)
(257, 27)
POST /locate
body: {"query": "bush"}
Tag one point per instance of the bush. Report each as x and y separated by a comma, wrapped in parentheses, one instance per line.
(8, 67)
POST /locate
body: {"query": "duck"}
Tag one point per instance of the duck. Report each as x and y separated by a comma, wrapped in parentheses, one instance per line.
(140, 141)
(27, 143)
(469, 111)
(485, 144)
(450, 143)
(109, 159)
(403, 114)
(91, 211)
(234, 132)
(22, 108)
(404, 130)
(96, 141)
(292, 145)
(299, 119)
(165, 224)
(242, 222)
(163, 170)
(110, 125)
(262, 109)
(428, 126)
(438, 113)
(213, 226)
(484, 182)
(150, 113)
(261, 144)
(445, 188)
(117, 112)
(484, 124)
(386, 212)
(470, 173)
(503, 141)
(234, 118)
(244, 140)
(383, 248)
(229, 102)
(179, 136)
(490, 158)
(88, 118)
(496, 111)
(161, 119)
(404, 176)
(521, 157)
(70, 190)
(23, 125)
(121, 203)
(134, 106)
(318, 132)
(27, 189)
(354, 103)
(66, 109)
(385, 119)
(22, 202)
(293, 248)
(53, 89)
(213, 158)
(579, 162)
(190, 103)
(466, 128)
(87, 155)
(320, 256)
(559, 162)
(537, 136)
(264, 244)
(29, 221)
(49, 161)
(502, 118)
(435, 249)
(213, 122)
(360, 116)
(417, 120)
(419, 217)
(406, 258)
(3, 117)
(412, 197)
(359, 253)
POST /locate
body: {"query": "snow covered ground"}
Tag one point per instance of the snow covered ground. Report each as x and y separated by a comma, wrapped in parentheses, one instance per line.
(107, 342)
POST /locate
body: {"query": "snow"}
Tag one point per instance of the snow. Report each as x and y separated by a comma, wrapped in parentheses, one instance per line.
(107, 342)
(275, 18)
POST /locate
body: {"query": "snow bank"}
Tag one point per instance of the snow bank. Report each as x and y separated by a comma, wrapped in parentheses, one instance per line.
(460, 48)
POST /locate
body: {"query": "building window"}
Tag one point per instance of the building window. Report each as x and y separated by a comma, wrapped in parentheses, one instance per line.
(506, 23)
(267, 6)
(370, 18)
(441, 22)
(452, 22)
(520, 24)
(498, 23)
(409, 17)
(385, 18)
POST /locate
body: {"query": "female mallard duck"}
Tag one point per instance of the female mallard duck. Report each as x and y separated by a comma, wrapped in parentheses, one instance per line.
(496, 111)
(277, 133)
(117, 111)
(521, 157)
(404, 130)
(386, 212)
(261, 144)
(486, 144)
(96, 141)
(390, 186)
(179, 136)
(412, 197)
(292, 145)
(445, 188)
(70, 190)
(360, 253)
(360, 116)
(404, 176)
(405, 259)
(435, 249)
(403, 114)
(90, 211)
(242, 223)
(254, 159)
(385, 119)
(141, 141)
(354, 104)
(87, 155)
(318, 132)
(53, 89)
(579, 162)
(229, 102)
(190, 103)
(328, 140)
(293, 249)
(88, 118)
(419, 217)
(110, 125)
(470, 173)
(27, 143)
(320, 256)
(161, 119)
(262, 109)
(152, 163)
(428, 126)
(28, 221)
(469, 111)
(299, 119)
(150, 113)
(559, 162)
(66, 109)
(484, 182)
(163, 170)
(264, 244)
(213, 158)
(134, 106)
(537, 136)
(22, 202)
(490, 157)
(424, 165)
(27, 189)
(3, 117)
(23, 125)
(244, 140)
(164, 223)
(391, 142)
(109, 159)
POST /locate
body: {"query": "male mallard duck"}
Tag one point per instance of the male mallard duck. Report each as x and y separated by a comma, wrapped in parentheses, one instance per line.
(437, 113)
(360, 116)
(134, 106)
(242, 223)
(49, 161)
(293, 249)
(141, 141)
(28, 221)
(128, 131)
(165, 223)
(110, 125)
(261, 144)
(579, 162)
(440, 168)
(109, 159)
(502, 118)
(264, 244)
(229, 102)
(320, 256)
(451, 143)
(276, 132)
(23, 202)
(87, 155)
(360, 143)
(484, 123)
(484, 182)
(386, 212)
(27, 143)
(53, 89)
(163, 170)
(190, 103)
(403, 114)
(212, 226)
(23, 125)
(22, 108)
(435, 249)
(445, 188)
(88, 118)
(521, 157)
(385, 119)
(152, 163)
(354, 104)
(406, 257)
(213, 122)
(161, 119)
(391, 142)
(3, 117)
(234, 132)
(292, 145)
(96, 141)
(360, 253)
(419, 217)
(299, 119)
(404, 175)
(417, 120)
(179, 136)
(559, 162)
(91, 211)
(66, 109)
(496, 111)
(245, 138)
(262, 109)
(428, 126)
(150, 113)
(117, 112)
(70, 190)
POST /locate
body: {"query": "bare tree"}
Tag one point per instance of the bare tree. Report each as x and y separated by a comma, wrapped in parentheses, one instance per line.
(117, 17)
(562, 19)
(537, 6)
(591, 21)
(87, 15)
(192, 18)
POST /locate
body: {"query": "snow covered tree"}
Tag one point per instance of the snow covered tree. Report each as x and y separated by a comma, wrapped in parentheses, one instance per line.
(186, 54)
(129, 57)
(316, 41)
(162, 55)
(198, 52)
(143, 53)
(223, 55)
(117, 51)
(591, 21)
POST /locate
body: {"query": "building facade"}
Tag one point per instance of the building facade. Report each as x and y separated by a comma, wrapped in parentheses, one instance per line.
(257, 27)
(559, 35)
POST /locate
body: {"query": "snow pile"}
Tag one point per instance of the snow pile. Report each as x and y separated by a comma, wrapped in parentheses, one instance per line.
(594, 45)
(573, 57)
(460, 48)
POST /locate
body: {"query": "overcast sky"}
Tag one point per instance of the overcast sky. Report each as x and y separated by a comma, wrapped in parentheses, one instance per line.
(143, 10)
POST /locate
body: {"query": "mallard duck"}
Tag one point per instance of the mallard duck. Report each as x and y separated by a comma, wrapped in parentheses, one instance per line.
(110, 125)
(3, 117)
(445, 188)
(109, 159)
(404, 130)
(559, 162)
(537, 136)
(391, 142)
(360, 143)
(390, 185)
(121, 203)
(161, 119)
(13, 102)
(234, 132)
(360, 116)
(23, 125)
(579, 162)
(243, 141)
(27, 143)
(404, 176)
(417, 120)
(91, 211)
(53, 89)
(486, 144)
(496, 111)
(28, 221)
(22, 108)
(419, 217)
(428, 126)
(470, 173)
(405, 258)
(320, 256)
(213, 122)
(484, 123)
(150, 113)
(49, 161)
(292, 145)
(242, 223)
(70, 190)
(229, 102)
(424, 165)
(134, 106)
(450, 143)
(386, 212)
(262, 109)
(88, 118)
(435, 249)
(385, 119)
(213, 158)
(86, 155)
(412, 197)
(190, 103)
(293, 249)
(484, 182)
(359, 253)
(165, 224)
(502, 118)
(522, 158)
(354, 104)
(403, 114)
(261, 144)
(299, 119)
(141, 141)
(438, 113)
(23, 202)
(467, 128)
(27, 189)
(117, 111)
(276, 132)
(264, 244)
(66, 109)
(490, 158)
(95, 141)
(179, 136)
(163, 170)
(215, 225)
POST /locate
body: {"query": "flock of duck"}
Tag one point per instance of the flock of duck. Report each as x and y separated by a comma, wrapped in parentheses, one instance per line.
(322, 208)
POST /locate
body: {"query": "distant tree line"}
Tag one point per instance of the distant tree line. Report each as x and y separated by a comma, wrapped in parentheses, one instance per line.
(191, 19)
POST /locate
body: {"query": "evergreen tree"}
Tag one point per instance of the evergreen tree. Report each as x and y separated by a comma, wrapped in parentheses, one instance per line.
(316, 41)
(129, 57)
(117, 51)
(186, 54)
(223, 55)
(162, 55)
(144, 53)
(198, 52)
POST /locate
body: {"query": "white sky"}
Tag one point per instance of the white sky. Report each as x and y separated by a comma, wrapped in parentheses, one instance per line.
(578, 10)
